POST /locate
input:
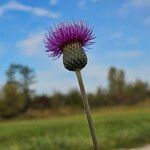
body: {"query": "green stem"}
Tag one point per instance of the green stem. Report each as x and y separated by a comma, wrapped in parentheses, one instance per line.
(87, 111)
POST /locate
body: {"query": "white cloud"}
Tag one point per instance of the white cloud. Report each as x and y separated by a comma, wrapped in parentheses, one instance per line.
(95, 71)
(140, 3)
(82, 3)
(51, 80)
(86, 3)
(116, 35)
(94, 1)
(13, 5)
(119, 37)
(125, 54)
(124, 10)
(95, 75)
(130, 4)
(133, 40)
(32, 44)
(139, 72)
(53, 2)
(57, 78)
(147, 21)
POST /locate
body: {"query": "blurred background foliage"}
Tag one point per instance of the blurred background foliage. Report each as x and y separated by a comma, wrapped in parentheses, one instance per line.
(17, 98)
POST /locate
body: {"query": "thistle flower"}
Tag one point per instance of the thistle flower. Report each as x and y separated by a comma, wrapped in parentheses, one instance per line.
(70, 39)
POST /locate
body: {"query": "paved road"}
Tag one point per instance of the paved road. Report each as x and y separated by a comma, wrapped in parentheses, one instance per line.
(147, 147)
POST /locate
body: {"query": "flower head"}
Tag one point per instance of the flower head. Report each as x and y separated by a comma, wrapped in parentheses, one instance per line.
(65, 34)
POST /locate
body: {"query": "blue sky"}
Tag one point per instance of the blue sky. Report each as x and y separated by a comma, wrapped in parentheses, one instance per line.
(121, 27)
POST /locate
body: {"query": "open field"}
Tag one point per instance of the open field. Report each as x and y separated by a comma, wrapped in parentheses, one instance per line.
(121, 127)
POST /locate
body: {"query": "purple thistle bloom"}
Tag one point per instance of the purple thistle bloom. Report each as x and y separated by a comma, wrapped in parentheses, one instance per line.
(70, 39)
(66, 33)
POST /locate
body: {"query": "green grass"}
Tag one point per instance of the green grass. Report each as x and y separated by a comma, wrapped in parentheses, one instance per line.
(116, 127)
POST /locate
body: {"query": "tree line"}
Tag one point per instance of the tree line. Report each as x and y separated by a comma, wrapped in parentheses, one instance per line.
(16, 97)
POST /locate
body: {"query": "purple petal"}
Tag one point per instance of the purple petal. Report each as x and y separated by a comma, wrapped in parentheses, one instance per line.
(67, 33)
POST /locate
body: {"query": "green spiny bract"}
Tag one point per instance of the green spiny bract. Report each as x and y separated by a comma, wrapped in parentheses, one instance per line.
(74, 57)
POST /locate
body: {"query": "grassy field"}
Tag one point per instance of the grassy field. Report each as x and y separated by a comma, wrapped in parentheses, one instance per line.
(121, 127)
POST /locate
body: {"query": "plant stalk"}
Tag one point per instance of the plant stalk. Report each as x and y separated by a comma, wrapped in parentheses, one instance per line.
(87, 111)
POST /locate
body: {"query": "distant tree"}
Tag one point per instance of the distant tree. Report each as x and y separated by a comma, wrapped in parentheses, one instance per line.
(116, 80)
(101, 97)
(28, 78)
(10, 103)
(141, 89)
(112, 77)
(120, 80)
(16, 93)
(148, 91)
(120, 86)
(11, 73)
(73, 98)
(41, 102)
(58, 100)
